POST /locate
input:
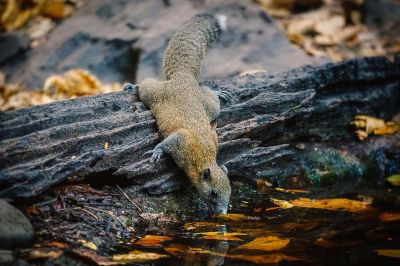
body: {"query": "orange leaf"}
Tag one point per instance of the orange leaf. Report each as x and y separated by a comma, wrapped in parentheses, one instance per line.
(55, 244)
(92, 256)
(268, 243)
(223, 236)
(263, 186)
(177, 249)
(257, 210)
(394, 253)
(282, 203)
(138, 256)
(389, 217)
(232, 217)
(272, 209)
(44, 254)
(152, 240)
(32, 210)
(338, 204)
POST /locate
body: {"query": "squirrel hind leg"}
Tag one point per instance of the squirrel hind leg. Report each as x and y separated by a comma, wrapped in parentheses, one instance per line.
(225, 97)
(210, 101)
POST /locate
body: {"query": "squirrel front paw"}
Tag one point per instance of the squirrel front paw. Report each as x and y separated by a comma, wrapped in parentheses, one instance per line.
(155, 154)
(225, 97)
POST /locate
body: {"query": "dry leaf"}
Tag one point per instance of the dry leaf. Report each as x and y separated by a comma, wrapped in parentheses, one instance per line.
(232, 217)
(176, 249)
(291, 190)
(16, 14)
(152, 240)
(268, 243)
(97, 259)
(74, 83)
(40, 27)
(197, 225)
(272, 209)
(55, 244)
(180, 249)
(367, 125)
(337, 204)
(282, 203)
(389, 217)
(257, 210)
(330, 26)
(32, 210)
(263, 186)
(88, 244)
(138, 256)
(394, 180)
(57, 9)
(394, 253)
(44, 254)
(223, 236)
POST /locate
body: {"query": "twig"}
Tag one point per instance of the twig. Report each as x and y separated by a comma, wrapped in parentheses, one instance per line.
(130, 200)
(88, 212)
(109, 213)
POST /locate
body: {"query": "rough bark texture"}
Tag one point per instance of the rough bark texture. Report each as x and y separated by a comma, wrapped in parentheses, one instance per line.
(279, 125)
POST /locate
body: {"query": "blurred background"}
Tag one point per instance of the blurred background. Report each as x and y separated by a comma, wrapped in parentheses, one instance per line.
(104, 43)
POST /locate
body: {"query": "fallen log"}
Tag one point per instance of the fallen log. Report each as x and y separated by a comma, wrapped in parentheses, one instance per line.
(277, 123)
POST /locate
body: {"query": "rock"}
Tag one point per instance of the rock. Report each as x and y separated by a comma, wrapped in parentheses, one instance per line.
(125, 40)
(12, 43)
(15, 229)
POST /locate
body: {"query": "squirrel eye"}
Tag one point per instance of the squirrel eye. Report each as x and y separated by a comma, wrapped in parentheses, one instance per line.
(207, 174)
(214, 193)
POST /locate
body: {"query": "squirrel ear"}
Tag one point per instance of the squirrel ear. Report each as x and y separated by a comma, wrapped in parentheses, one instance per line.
(206, 174)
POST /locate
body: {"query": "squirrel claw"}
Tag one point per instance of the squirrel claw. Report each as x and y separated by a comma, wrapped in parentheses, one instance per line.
(225, 96)
(129, 86)
(156, 155)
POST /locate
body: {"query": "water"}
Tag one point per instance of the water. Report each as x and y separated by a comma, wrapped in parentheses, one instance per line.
(260, 232)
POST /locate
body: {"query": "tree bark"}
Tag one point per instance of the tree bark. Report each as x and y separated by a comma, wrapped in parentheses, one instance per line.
(274, 121)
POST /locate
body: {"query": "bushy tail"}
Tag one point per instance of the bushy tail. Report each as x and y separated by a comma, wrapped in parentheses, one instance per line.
(189, 45)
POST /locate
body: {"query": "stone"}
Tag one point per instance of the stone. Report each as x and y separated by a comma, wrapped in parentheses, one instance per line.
(12, 43)
(15, 228)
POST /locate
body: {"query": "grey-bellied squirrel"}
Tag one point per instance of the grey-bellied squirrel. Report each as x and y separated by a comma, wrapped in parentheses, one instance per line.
(185, 111)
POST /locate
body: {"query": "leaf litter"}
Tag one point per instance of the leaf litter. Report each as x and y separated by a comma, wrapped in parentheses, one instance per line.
(334, 29)
(72, 84)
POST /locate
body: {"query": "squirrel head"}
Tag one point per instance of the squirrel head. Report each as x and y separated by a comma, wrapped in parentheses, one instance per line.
(214, 187)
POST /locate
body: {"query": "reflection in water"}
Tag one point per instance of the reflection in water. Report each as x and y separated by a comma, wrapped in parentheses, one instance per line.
(294, 230)
(214, 255)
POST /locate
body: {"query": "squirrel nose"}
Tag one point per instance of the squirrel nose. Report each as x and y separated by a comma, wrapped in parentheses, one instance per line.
(222, 210)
